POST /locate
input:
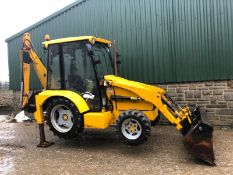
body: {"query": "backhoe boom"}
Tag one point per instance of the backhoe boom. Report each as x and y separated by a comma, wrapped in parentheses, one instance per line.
(28, 55)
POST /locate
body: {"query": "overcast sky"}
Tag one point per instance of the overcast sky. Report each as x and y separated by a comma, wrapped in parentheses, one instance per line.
(17, 15)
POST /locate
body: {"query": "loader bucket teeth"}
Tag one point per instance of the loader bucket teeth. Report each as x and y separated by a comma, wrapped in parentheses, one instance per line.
(199, 139)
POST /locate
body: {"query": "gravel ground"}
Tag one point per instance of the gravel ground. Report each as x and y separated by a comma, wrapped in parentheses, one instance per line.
(100, 152)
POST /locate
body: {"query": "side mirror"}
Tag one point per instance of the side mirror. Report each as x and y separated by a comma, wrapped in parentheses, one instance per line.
(118, 58)
(118, 55)
(118, 61)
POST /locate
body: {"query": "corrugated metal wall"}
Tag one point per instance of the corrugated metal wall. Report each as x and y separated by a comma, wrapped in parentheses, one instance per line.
(160, 41)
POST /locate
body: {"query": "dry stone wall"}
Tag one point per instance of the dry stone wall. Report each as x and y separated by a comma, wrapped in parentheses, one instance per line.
(6, 98)
(215, 96)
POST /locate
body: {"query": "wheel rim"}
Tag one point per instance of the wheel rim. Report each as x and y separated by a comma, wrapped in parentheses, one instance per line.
(131, 129)
(62, 118)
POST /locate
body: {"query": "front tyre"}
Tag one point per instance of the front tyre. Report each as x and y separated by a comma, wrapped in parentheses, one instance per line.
(63, 118)
(133, 127)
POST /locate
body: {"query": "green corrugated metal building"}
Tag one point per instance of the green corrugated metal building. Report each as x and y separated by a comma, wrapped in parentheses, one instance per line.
(161, 41)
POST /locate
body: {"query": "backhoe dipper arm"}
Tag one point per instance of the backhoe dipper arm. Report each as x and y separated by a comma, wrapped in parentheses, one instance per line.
(27, 56)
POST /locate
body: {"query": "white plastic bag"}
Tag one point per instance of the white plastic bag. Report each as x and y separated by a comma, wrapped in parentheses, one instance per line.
(21, 117)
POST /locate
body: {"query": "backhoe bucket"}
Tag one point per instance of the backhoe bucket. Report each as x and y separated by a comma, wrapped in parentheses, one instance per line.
(199, 139)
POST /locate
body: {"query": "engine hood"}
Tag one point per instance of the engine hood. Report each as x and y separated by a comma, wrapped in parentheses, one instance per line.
(143, 90)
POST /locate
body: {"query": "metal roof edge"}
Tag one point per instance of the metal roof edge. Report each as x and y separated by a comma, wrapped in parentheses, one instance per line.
(78, 2)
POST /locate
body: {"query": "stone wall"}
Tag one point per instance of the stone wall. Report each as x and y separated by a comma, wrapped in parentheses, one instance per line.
(6, 98)
(6, 102)
(16, 100)
(215, 96)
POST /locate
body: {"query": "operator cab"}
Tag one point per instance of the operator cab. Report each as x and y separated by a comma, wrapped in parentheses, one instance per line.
(79, 64)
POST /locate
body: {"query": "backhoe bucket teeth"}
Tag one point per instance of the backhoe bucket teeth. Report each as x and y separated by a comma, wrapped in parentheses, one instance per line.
(199, 139)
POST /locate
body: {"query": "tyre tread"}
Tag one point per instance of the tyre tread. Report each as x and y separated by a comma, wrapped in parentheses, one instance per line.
(146, 128)
(78, 122)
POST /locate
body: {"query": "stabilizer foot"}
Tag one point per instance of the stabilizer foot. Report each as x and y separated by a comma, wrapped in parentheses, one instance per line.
(45, 144)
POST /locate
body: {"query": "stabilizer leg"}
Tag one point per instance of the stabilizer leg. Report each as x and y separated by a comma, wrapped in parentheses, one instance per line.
(43, 143)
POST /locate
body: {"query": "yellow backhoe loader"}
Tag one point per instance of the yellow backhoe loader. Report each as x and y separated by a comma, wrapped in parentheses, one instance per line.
(81, 90)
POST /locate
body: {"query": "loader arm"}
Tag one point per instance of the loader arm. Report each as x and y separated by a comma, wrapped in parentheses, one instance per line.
(155, 96)
(27, 56)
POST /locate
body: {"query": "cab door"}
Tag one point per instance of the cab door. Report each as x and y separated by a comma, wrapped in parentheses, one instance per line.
(76, 70)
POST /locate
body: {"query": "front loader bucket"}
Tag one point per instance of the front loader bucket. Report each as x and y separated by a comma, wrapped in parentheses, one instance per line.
(199, 139)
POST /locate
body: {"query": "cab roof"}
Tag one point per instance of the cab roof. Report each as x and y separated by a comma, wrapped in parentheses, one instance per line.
(91, 39)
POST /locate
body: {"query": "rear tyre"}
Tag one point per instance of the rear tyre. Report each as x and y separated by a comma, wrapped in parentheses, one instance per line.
(63, 118)
(133, 127)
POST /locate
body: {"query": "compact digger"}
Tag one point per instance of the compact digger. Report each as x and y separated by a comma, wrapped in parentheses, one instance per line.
(81, 90)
